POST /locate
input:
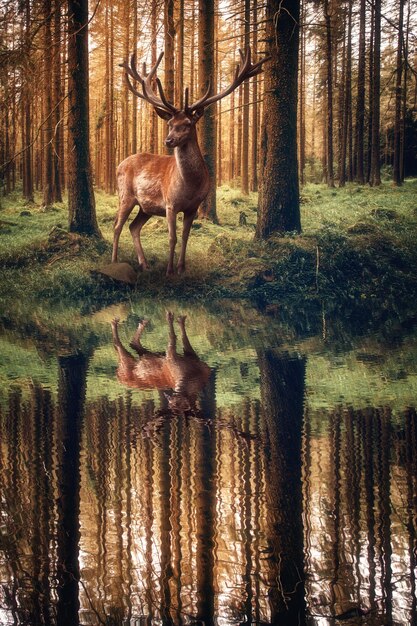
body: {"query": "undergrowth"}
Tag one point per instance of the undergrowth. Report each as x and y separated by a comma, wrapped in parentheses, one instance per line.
(357, 246)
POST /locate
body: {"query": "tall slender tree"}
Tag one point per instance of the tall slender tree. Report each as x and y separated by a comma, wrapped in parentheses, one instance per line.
(279, 202)
(375, 169)
(360, 100)
(207, 126)
(81, 201)
(398, 98)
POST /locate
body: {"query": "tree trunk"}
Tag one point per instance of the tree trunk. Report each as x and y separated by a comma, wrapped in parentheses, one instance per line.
(279, 202)
(153, 128)
(398, 99)
(125, 93)
(207, 127)
(255, 114)
(48, 182)
(81, 202)
(375, 177)
(180, 57)
(360, 102)
(134, 99)
(302, 93)
(347, 101)
(232, 138)
(371, 94)
(169, 54)
(245, 112)
(329, 84)
(404, 104)
(57, 97)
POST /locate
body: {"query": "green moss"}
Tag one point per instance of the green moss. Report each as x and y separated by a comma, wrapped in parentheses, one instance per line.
(357, 246)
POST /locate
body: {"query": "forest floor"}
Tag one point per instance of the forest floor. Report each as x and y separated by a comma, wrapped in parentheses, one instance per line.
(357, 251)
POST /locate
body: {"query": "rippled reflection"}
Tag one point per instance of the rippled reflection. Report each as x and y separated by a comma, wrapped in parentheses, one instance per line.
(169, 509)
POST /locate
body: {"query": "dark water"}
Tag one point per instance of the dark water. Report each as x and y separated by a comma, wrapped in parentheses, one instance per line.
(258, 476)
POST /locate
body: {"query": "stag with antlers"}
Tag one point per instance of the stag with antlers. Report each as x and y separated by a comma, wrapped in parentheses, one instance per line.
(168, 185)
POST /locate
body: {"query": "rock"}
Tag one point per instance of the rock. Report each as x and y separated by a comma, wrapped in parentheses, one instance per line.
(121, 272)
(25, 213)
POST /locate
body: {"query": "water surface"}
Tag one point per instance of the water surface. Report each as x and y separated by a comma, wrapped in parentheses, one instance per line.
(223, 469)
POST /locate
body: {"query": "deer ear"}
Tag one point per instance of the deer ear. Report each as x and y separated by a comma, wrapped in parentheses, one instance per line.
(197, 114)
(164, 114)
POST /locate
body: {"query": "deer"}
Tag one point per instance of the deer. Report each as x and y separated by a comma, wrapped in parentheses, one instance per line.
(166, 185)
(180, 376)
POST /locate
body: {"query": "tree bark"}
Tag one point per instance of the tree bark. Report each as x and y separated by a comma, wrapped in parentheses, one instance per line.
(398, 99)
(279, 203)
(302, 94)
(245, 112)
(81, 202)
(57, 97)
(360, 102)
(375, 175)
(169, 54)
(48, 182)
(207, 125)
(153, 120)
(255, 114)
(329, 86)
(134, 99)
(347, 101)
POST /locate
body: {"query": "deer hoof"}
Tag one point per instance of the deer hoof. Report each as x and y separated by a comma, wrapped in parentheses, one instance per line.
(170, 316)
(181, 269)
(170, 271)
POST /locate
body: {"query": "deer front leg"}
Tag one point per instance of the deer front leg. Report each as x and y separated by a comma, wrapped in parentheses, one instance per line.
(188, 220)
(172, 233)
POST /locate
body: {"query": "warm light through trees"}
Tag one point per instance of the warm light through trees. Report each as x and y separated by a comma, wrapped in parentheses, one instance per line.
(356, 88)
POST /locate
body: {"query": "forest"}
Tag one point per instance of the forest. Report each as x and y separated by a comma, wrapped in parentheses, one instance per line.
(329, 114)
(228, 438)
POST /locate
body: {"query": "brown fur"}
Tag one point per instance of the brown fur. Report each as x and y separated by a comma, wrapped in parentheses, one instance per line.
(164, 186)
(183, 374)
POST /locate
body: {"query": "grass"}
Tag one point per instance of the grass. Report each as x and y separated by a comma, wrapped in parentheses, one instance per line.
(357, 248)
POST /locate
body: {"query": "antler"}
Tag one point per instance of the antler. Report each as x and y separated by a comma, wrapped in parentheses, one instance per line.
(145, 80)
(243, 71)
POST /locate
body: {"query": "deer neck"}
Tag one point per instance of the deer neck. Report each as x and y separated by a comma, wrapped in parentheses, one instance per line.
(190, 162)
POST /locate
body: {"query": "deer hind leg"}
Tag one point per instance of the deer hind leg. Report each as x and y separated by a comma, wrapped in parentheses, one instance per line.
(135, 228)
(126, 205)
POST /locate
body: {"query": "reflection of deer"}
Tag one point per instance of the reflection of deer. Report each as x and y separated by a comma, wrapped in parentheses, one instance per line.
(185, 375)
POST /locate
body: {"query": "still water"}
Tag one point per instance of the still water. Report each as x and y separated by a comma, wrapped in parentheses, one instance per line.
(223, 468)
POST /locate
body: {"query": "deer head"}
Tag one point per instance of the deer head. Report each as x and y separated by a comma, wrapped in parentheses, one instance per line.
(182, 122)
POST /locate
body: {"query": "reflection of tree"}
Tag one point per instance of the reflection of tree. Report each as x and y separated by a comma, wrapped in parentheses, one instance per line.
(205, 485)
(71, 395)
(361, 509)
(282, 395)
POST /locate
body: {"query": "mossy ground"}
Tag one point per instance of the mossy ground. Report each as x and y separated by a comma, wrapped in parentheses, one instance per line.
(357, 246)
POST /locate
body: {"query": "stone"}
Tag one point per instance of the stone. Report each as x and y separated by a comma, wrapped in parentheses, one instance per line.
(120, 272)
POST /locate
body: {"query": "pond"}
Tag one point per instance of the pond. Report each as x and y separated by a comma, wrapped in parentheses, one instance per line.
(185, 465)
